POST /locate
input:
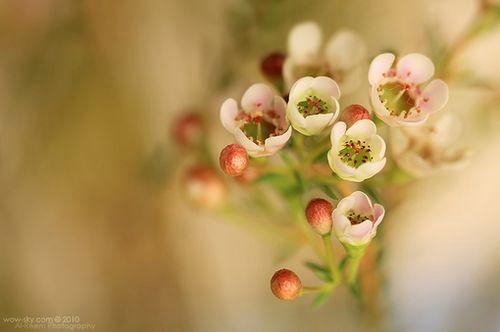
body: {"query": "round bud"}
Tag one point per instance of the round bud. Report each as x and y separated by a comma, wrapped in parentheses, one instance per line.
(286, 285)
(319, 215)
(188, 129)
(353, 113)
(272, 65)
(203, 187)
(233, 159)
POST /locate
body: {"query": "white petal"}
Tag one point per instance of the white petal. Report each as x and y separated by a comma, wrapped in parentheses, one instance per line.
(340, 222)
(228, 113)
(304, 42)
(316, 124)
(345, 50)
(378, 214)
(279, 106)
(362, 203)
(244, 141)
(338, 131)
(258, 97)
(415, 68)
(362, 129)
(379, 66)
(377, 145)
(379, 108)
(345, 205)
(367, 170)
(360, 231)
(294, 116)
(275, 143)
(434, 96)
(326, 85)
(340, 168)
(299, 88)
(413, 121)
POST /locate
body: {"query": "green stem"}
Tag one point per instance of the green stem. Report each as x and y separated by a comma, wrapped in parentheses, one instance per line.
(327, 241)
(353, 270)
(314, 289)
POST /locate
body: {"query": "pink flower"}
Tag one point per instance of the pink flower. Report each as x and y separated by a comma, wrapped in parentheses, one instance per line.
(355, 220)
(398, 94)
(260, 126)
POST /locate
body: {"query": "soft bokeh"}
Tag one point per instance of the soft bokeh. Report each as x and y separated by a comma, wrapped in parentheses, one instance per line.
(92, 220)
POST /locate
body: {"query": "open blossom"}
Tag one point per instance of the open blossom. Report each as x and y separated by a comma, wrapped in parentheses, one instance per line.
(342, 57)
(313, 104)
(398, 94)
(357, 153)
(355, 219)
(260, 126)
(430, 148)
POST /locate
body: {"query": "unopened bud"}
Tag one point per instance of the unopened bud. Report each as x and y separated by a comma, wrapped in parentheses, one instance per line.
(272, 65)
(233, 159)
(286, 285)
(319, 215)
(203, 186)
(354, 113)
(188, 129)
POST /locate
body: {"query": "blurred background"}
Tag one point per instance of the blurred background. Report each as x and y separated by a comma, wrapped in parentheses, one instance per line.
(93, 222)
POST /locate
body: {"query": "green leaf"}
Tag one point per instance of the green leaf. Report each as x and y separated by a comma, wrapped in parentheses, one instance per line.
(320, 300)
(320, 271)
(329, 191)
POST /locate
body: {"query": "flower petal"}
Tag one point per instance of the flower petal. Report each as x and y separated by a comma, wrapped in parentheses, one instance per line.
(415, 68)
(299, 88)
(379, 66)
(360, 231)
(362, 203)
(377, 145)
(344, 50)
(340, 221)
(326, 85)
(304, 42)
(251, 147)
(258, 97)
(228, 113)
(338, 131)
(315, 124)
(362, 129)
(340, 168)
(275, 143)
(378, 214)
(367, 170)
(434, 96)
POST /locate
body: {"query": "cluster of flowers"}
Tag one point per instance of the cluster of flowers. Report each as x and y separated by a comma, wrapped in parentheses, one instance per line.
(303, 100)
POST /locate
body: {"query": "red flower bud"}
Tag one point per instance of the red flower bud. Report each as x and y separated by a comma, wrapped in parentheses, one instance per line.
(286, 285)
(188, 129)
(272, 65)
(353, 113)
(319, 215)
(233, 159)
(203, 186)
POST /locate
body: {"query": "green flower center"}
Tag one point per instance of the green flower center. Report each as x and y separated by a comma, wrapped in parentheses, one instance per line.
(258, 129)
(355, 153)
(312, 105)
(397, 98)
(356, 218)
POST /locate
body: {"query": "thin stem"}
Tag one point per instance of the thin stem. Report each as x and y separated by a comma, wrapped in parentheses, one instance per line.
(353, 269)
(312, 289)
(327, 241)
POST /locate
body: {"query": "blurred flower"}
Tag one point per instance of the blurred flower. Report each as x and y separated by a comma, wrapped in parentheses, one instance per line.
(313, 104)
(261, 127)
(286, 285)
(353, 113)
(272, 66)
(188, 129)
(342, 58)
(233, 159)
(355, 219)
(249, 175)
(427, 149)
(319, 215)
(396, 92)
(203, 186)
(358, 152)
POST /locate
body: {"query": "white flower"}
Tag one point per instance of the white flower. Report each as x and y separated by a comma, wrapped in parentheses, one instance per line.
(341, 59)
(355, 219)
(397, 94)
(313, 104)
(358, 152)
(428, 149)
(260, 126)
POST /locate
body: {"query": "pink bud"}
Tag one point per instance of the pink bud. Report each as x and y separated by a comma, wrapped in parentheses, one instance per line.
(233, 159)
(272, 65)
(203, 186)
(319, 215)
(286, 285)
(353, 113)
(188, 129)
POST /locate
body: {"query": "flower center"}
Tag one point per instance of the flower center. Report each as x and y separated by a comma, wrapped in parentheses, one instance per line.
(312, 105)
(355, 153)
(261, 126)
(397, 98)
(356, 218)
